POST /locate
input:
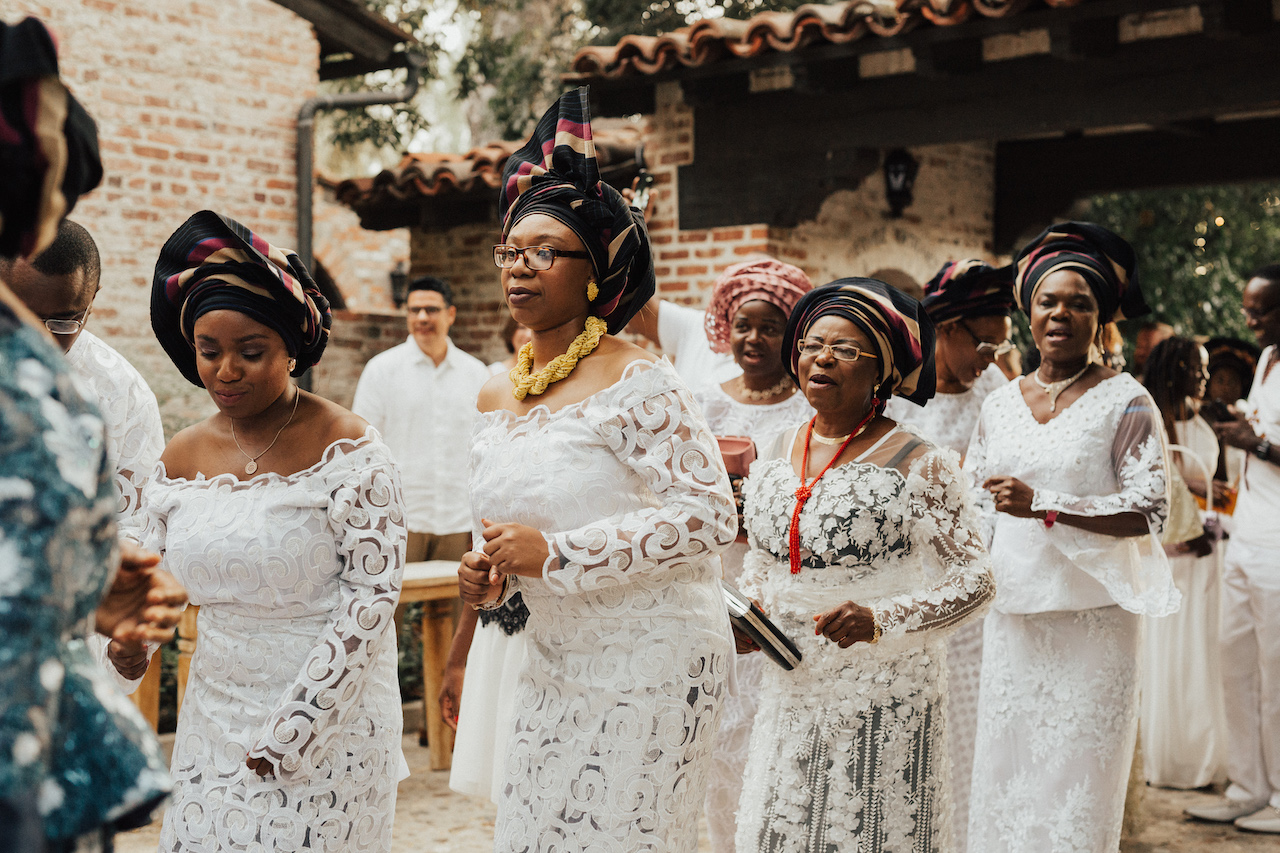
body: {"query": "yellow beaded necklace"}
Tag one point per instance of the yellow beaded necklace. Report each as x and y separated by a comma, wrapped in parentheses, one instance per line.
(558, 368)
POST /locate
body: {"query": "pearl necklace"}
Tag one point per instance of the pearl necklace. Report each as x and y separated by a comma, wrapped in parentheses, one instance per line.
(783, 385)
(1055, 389)
(251, 466)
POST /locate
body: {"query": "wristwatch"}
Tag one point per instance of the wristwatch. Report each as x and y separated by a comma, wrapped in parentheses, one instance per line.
(1263, 450)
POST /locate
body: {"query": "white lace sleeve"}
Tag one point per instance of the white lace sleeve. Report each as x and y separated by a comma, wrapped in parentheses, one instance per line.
(366, 514)
(944, 527)
(664, 439)
(1138, 459)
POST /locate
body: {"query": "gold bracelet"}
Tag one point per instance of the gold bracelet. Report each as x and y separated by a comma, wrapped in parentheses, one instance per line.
(496, 603)
(876, 630)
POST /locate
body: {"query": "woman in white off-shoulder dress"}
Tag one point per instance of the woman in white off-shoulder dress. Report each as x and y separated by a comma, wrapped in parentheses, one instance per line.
(282, 515)
(597, 493)
(849, 749)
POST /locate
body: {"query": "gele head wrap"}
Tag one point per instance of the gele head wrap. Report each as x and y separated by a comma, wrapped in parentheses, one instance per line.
(48, 143)
(968, 288)
(768, 280)
(556, 174)
(1104, 259)
(896, 324)
(213, 262)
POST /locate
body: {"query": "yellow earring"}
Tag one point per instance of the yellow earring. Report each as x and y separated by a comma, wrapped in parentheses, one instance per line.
(593, 290)
(293, 362)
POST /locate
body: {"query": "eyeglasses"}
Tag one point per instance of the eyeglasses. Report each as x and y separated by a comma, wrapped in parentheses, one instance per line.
(535, 257)
(66, 325)
(986, 349)
(840, 352)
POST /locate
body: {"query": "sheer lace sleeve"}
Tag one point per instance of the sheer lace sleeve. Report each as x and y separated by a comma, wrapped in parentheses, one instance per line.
(975, 468)
(944, 527)
(1138, 459)
(662, 437)
(366, 513)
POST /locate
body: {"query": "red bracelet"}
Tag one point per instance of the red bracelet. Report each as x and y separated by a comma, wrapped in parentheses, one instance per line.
(1049, 518)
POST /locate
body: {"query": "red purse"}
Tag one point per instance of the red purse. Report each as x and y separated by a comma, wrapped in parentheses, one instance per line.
(738, 453)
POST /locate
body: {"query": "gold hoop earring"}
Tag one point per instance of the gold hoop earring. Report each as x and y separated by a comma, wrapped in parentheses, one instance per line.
(593, 290)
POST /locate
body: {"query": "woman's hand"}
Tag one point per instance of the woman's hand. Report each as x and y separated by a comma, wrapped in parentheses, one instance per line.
(450, 695)
(743, 644)
(129, 658)
(1011, 496)
(1237, 433)
(261, 766)
(847, 624)
(515, 549)
(478, 582)
(144, 602)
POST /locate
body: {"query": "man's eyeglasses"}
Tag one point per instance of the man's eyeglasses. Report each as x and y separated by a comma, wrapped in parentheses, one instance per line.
(986, 349)
(66, 325)
(840, 352)
(535, 257)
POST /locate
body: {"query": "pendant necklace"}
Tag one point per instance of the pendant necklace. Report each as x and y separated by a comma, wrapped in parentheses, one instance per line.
(780, 387)
(251, 466)
(1055, 389)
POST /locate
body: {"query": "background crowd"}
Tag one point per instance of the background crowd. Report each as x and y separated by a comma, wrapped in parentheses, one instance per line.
(908, 478)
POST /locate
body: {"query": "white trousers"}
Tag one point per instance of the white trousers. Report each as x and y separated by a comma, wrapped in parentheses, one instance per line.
(1251, 671)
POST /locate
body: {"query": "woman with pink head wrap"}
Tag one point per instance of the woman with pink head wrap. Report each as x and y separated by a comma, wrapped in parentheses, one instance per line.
(747, 316)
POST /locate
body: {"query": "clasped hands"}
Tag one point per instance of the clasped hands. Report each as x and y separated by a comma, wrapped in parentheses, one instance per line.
(843, 625)
(142, 605)
(1012, 496)
(509, 549)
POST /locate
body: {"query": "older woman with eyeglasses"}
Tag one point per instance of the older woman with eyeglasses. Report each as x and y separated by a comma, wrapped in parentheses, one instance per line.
(865, 551)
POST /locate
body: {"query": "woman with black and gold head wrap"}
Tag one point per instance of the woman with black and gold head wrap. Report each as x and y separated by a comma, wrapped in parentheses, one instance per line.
(597, 492)
(865, 550)
(77, 761)
(282, 515)
(1071, 460)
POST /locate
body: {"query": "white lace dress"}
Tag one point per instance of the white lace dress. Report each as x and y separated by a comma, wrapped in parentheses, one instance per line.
(763, 425)
(848, 751)
(948, 421)
(297, 579)
(1058, 708)
(628, 636)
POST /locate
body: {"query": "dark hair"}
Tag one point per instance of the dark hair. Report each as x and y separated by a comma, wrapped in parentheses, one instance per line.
(73, 249)
(430, 282)
(1168, 367)
(1268, 272)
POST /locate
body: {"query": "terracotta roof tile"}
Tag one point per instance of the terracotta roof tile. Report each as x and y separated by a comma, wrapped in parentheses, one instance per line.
(713, 39)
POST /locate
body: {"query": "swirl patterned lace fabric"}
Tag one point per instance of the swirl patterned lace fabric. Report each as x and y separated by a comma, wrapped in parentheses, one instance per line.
(849, 748)
(617, 707)
(297, 579)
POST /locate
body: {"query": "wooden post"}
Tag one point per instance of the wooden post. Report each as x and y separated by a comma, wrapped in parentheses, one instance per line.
(437, 635)
(147, 696)
(186, 648)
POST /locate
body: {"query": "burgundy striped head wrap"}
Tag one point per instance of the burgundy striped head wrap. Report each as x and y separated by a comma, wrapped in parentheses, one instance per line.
(556, 173)
(768, 280)
(897, 325)
(212, 263)
(48, 143)
(968, 288)
(1104, 259)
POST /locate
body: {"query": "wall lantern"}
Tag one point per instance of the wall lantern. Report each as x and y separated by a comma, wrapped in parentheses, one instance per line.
(399, 284)
(900, 170)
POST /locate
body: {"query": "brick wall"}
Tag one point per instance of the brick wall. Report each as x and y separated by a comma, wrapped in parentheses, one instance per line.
(463, 257)
(356, 337)
(360, 261)
(196, 105)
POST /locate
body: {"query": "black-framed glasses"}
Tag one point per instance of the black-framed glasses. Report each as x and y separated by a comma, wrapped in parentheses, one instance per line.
(67, 325)
(986, 349)
(535, 257)
(840, 352)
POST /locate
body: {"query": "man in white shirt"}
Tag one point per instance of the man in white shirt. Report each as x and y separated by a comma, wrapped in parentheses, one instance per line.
(681, 333)
(1251, 587)
(59, 286)
(421, 395)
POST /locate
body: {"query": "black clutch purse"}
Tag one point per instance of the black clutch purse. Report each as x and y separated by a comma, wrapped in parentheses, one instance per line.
(750, 620)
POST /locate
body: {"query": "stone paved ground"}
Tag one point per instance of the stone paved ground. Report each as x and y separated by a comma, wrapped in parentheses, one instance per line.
(432, 819)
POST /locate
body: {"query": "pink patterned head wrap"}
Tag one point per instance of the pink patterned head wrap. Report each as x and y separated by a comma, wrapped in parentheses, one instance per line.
(768, 280)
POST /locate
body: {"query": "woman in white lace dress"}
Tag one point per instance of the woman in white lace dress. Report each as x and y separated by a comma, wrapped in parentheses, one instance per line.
(969, 303)
(848, 751)
(282, 516)
(1071, 459)
(746, 316)
(598, 494)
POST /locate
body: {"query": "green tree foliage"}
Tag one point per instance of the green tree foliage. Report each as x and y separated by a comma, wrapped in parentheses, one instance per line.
(1196, 248)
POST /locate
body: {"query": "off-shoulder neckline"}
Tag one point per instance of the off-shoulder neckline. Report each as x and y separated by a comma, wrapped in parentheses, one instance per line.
(329, 454)
(629, 372)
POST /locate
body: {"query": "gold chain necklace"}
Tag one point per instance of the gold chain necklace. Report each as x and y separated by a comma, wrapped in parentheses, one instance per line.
(1055, 389)
(252, 465)
(523, 382)
(780, 387)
